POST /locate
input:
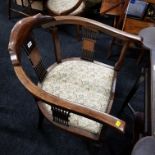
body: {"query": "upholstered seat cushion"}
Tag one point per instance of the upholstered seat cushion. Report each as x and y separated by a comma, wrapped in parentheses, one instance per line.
(60, 6)
(84, 83)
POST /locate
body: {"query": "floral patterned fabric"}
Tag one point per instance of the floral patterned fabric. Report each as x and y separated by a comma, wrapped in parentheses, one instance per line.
(84, 83)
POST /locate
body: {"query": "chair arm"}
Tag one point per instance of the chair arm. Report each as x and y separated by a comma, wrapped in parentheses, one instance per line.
(78, 109)
(22, 30)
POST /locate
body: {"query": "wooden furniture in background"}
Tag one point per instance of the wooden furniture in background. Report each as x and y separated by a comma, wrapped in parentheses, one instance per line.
(116, 8)
(75, 94)
(134, 25)
(65, 7)
(25, 7)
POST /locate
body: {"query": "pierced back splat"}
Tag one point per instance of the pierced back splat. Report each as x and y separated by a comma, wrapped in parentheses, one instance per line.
(35, 58)
(88, 43)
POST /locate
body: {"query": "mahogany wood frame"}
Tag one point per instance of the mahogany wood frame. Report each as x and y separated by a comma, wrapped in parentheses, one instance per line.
(23, 29)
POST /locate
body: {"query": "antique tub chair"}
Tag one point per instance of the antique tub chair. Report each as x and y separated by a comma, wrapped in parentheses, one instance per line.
(76, 94)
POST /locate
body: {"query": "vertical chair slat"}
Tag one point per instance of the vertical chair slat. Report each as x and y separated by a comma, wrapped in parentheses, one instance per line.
(35, 58)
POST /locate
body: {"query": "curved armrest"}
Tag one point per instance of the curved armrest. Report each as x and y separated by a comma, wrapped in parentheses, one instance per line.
(109, 30)
(23, 28)
(53, 100)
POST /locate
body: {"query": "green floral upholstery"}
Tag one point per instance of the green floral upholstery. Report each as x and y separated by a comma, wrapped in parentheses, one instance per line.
(83, 83)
